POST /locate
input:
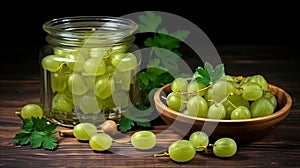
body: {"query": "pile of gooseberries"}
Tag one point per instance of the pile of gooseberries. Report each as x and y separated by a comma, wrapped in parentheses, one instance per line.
(98, 140)
(101, 140)
(88, 79)
(184, 150)
(230, 97)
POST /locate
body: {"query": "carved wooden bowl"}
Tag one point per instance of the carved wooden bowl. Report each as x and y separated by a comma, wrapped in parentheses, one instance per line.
(242, 131)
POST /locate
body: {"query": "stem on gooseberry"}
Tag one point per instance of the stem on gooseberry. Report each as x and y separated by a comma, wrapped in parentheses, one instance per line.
(66, 133)
(161, 154)
(200, 90)
(212, 101)
(225, 99)
(231, 104)
(18, 113)
(163, 97)
(211, 145)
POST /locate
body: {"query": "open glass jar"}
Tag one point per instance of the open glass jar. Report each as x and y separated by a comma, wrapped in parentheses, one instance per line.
(87, 69)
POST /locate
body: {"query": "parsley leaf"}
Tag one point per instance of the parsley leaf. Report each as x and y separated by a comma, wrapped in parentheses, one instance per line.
(208, 74)
(143, 124)
(149, 22)
(164, 44)
(166, 47)
(138, 113)
(125, 124)
(202, 76)
(218, 72)
(135, 115)
(38, 133)
(154, 77)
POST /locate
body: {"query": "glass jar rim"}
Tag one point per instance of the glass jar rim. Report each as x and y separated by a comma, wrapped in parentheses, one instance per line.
(77, 24)
(74, 30)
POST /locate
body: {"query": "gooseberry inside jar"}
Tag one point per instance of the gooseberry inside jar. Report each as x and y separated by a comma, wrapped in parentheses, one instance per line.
(88, 69)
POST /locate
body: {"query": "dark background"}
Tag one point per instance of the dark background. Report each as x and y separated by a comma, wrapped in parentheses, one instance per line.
(224, 22)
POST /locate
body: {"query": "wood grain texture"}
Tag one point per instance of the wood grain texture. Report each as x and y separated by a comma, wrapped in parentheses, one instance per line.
(279, 148)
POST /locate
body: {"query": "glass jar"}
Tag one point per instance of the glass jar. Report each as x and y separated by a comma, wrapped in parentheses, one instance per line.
(87, 69)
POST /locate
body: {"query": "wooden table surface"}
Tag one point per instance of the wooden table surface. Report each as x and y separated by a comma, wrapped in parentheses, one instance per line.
(280, 65)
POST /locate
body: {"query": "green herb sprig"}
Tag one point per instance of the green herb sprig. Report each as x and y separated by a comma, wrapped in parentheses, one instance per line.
(208, 75)
(165, 45)
(135, 115)
(38, 133)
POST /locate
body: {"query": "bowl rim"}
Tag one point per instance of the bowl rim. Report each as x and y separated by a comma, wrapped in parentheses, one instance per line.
(276, 114)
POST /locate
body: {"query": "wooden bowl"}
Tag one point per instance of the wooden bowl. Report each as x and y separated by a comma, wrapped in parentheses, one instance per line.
(242, 131)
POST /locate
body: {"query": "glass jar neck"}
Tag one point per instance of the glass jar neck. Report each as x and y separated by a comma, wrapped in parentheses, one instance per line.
(89, 31)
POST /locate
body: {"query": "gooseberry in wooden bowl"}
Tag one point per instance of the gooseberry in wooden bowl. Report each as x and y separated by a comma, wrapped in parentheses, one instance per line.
(242, 130)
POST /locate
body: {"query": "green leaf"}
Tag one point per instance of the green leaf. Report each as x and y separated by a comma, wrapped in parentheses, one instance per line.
(164, 41)
(154, 63)
(135, 115)
(181, 34)
(143, 124)
(36, 139)
(170, 64)
(138, 113)
(38, 133)
(144, 78)
(154, 77)
(208, 74)
(204, 81)
(149, 22)
(155, 70)
(219, 72)
(163, 31)
(52, 128)
(39, 124)
(202, 76)
(125, 124)
(27, 125)
(22, 138)
(166, 47)
(216, 73)
(149, 42)
(208, 68)
(202, 72)
(49, 142)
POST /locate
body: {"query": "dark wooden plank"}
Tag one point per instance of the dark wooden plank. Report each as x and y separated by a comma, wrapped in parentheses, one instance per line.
(279, 148)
